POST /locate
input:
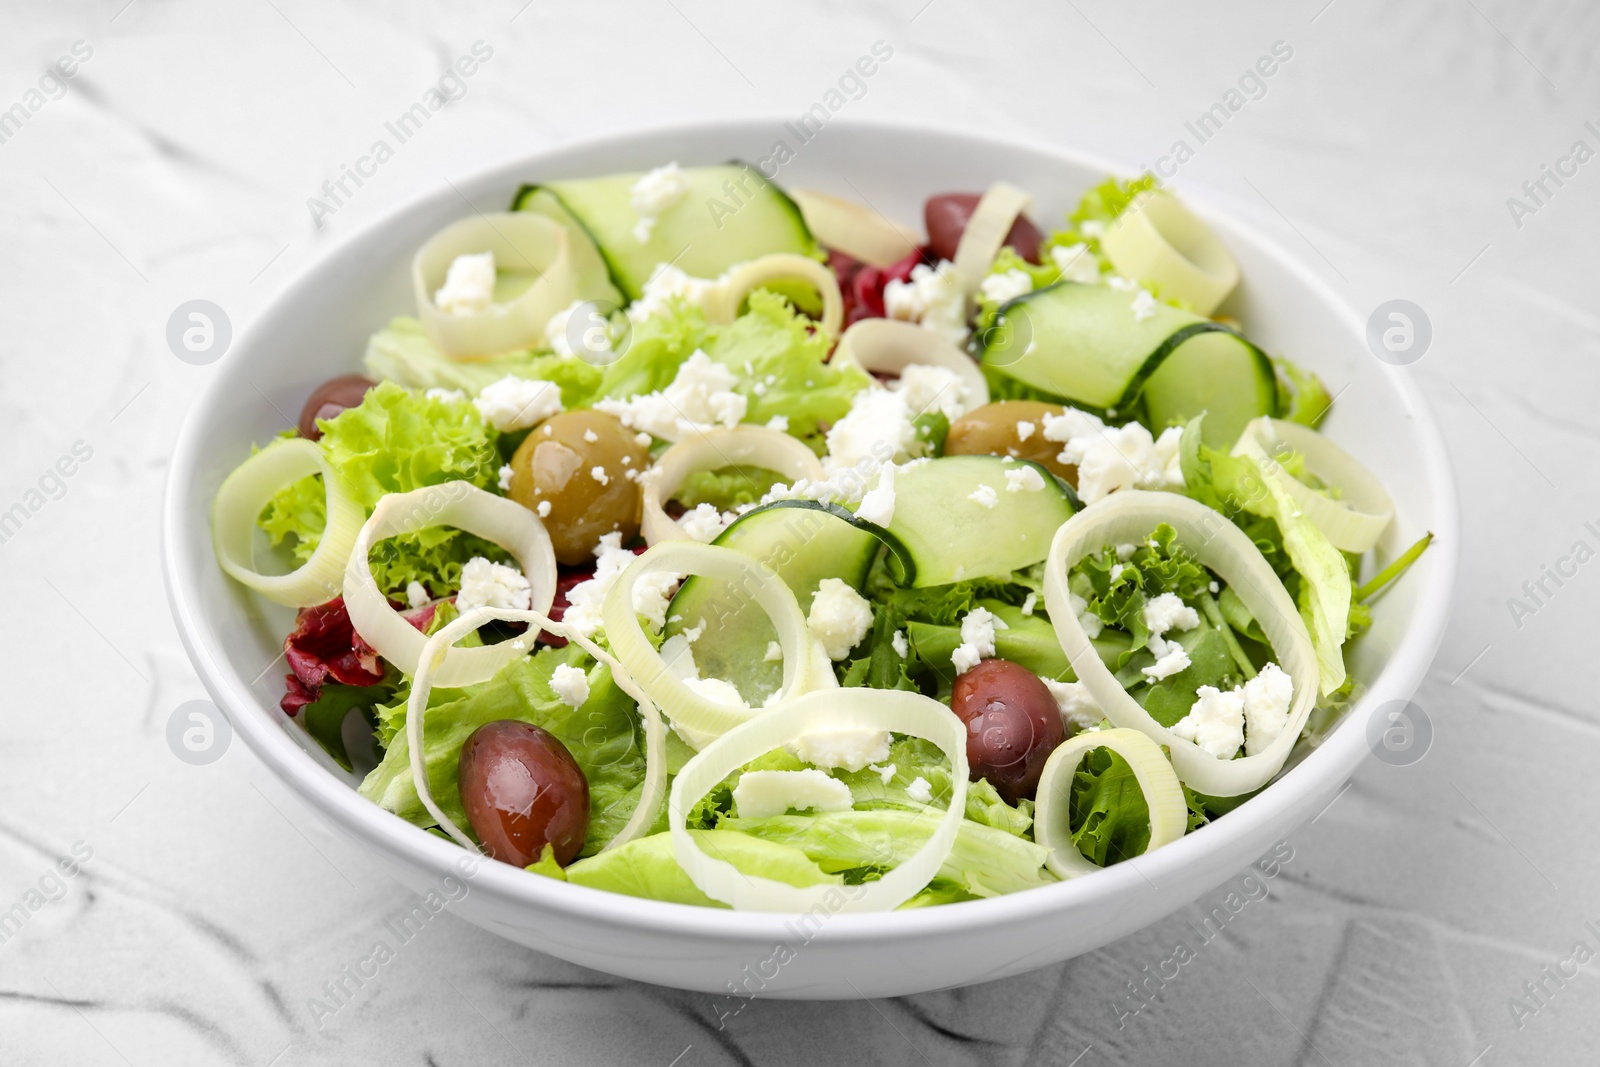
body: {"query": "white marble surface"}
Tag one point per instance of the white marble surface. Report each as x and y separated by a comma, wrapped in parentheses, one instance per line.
(212, 906)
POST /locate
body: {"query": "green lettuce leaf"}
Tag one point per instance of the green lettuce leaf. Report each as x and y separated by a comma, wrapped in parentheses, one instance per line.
(395, 441)
(601, 735)
(726, 488)
(402, 353)
(985, 861)
(646, 866)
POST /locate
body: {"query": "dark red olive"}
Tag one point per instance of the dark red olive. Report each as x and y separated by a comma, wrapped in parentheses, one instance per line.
(946, 217)
(330, 398)
(1013, 724)
(523, 790)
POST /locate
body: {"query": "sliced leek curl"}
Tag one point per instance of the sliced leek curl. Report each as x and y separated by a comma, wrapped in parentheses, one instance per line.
(1161, 243)
(897, 711)
(1352, 523)
(1130, 516)
(436, 650)
(708, 450)
(997, 210)
(249, 489)
(1052, 818)
(746, 578)
(724, 297)
(520, 241)
(889, 346)
(854, 229)
(466, 507)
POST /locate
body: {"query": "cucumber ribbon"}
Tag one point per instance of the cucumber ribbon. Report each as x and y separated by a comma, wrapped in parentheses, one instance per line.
(250, 488)
(466, 507)
(1130, 516)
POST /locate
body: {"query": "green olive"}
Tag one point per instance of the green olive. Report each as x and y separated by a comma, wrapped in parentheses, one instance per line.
(993, 430)
(584, 466)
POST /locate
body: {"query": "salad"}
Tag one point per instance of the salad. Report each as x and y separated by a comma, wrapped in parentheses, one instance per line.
(722, 545)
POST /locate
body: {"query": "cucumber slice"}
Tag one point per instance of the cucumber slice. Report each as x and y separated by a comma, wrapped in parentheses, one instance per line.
(594, 278)
(1084, 343)
(803, 542)
(730, 214)
(940, 534)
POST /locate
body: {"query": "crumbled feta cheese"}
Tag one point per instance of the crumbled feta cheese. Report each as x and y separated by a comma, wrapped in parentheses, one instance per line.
(878, 424)
(901, 646)
(717, 691)
(667, 285)
(653, 194)
(1171, 658)
(416, 595)
(570, 684)
(878, 505)
(700, 397)
(590, 436)
(774, 653)
(1215, 722)
(840, 617)
(1088, 620)
(1109, 458)
(468, 285)
(925, 387)
(1076, 263)
(849, 750)
(1006, 286)
(599, 474)
(493, 585)
(1029, 602)
(1116, 570)
(1117, 281)
(920, 790)
(650, 595)
(505, 478)
(543, 509)
(1092, 228)
(977, 639)
(1143, 306)
(985, 495)
(1169, 612)
(514, 403)
(1024, 480)
(555, 331)
(704, 523)
(1025, 430)
(1125, 552)
(931, 297)
(762, 794)
(454, 396)
(1215, 588)
(642, 439)
(1266, 707)
(885, 772)
(1077, 706)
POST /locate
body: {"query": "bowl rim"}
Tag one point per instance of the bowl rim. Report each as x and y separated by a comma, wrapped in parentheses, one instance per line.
(1317, 774)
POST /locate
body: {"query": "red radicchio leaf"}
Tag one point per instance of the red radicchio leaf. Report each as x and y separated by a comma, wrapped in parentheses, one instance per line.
(324, 646)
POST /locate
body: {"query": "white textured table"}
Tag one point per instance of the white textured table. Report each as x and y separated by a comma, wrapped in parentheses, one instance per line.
(209, 908)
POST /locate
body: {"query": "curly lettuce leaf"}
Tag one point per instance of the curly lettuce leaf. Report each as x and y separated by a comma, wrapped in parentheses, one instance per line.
(601, 735)
(985, 862)
(646, 867)
(401, 353)
(395, 441)
(726, 488)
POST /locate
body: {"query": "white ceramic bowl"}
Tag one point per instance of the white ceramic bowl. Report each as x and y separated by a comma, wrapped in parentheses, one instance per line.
(317, 327)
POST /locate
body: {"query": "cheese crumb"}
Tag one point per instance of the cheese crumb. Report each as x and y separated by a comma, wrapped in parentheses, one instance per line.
(570, 684)
(985, 495)
(653, 194)
(700, 397)
(1024, 479)
(505, 478)
(920, 790)
(468, 285)
(1077, 707)
(1143, 306)
(901, 646)
(977, 639)
(774, 653)
(1008, 285)
(492, 585)
(704, 523)
(599, 474)
(840, 617)
(1215, 722)
(416, 595)
(514, 403)
(543, 509)
(885, 772)
(1267, 697)
(1025, 430)
(849, 750)
(878, 505)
